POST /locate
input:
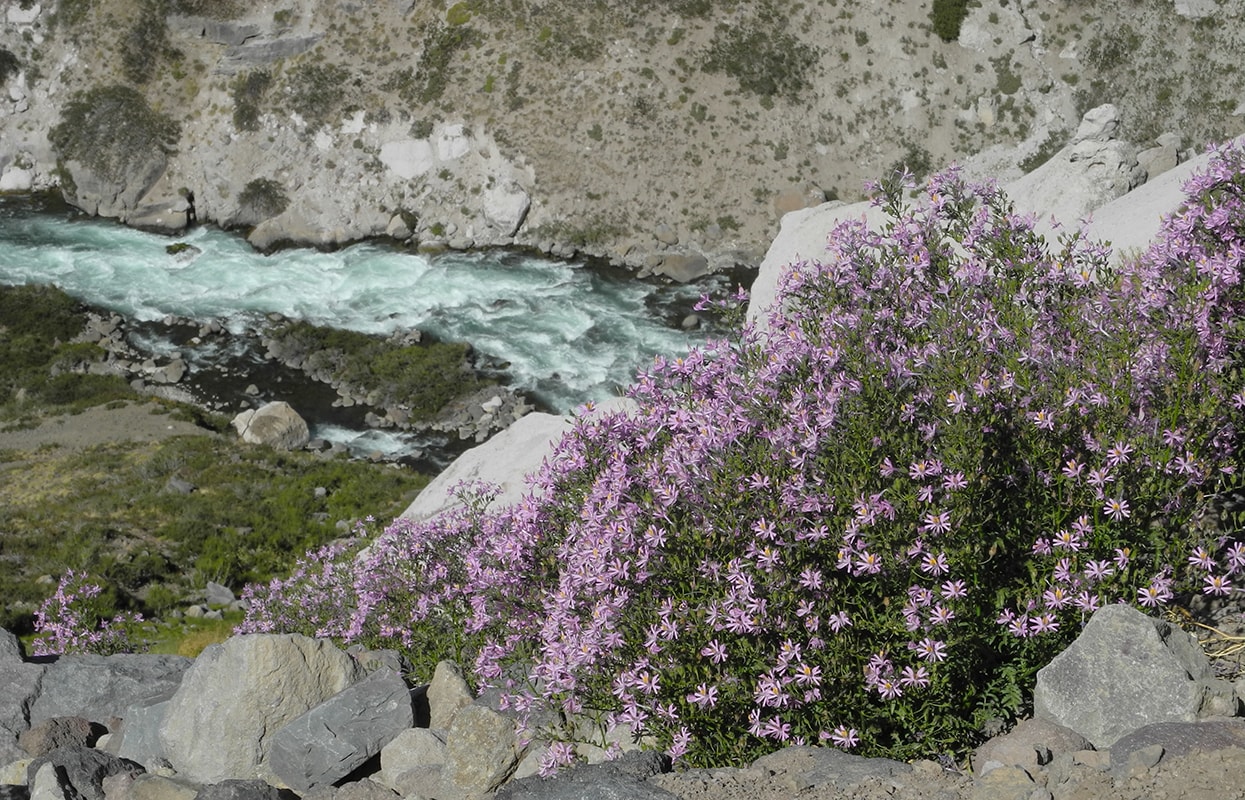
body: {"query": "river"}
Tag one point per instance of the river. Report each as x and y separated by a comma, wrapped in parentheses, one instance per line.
(567, 331)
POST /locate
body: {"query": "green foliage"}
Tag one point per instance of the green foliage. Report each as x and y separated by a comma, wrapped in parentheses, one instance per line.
(424, 377)
(1110, 50)
(1051, 145)
(263, 198)
(915, 160)
(459, 14)
(70, 13)
(107, 509)
(249, 90)
(316, 92)
(948, 16)
(766, 59)
(111, 128)
(435, 62)
(146, 43)
(9, 66)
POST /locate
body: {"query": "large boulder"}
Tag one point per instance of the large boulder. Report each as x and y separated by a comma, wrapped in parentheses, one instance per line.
(1126, 671)
(102, 687)
(220, 723)
(276, 425)
(328, 742)
(482, 751)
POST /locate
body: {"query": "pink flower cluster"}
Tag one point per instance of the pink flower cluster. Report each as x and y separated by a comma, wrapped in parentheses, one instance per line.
(867, 526)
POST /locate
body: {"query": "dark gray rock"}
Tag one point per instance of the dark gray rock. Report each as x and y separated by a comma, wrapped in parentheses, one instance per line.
(622, 779)
(19, 687)
(1179, 739)
(57, 732)
(12, 792)
(83, 769)
(102, 687)
(234, 789)
(1126, 671)
(328, 742)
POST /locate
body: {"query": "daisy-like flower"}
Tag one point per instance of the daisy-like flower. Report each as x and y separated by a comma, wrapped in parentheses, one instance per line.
(844, 737)
(714, 651)
(956, 401)
(934, 564)
(1117, 508)
(705, 696)
(1119, 453)
(1201, 559)
(930, 650)
(914, 676)
(1043, 623)
(1217, 585)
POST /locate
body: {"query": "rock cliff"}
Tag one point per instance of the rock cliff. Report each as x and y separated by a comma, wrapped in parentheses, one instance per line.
(668, 136)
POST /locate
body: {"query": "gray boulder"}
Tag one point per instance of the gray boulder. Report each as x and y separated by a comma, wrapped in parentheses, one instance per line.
(81, 769)
(804, 767)
(276, 425)
(1033, 743)
(114, 195)
(102, 687)
(447, 693)
(1179, 739)
(413, 762)
(19, 687)
(139, 737)
(239, 790)
(1126, 671)
(482, 751)
(158, 787)
(220, 723)
(328, 742)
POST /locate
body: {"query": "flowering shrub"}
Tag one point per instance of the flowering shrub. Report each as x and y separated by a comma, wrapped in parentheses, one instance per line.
(867, 526)
(70, 621)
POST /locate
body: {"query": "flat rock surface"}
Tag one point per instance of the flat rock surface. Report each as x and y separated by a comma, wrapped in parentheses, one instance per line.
(132, 422)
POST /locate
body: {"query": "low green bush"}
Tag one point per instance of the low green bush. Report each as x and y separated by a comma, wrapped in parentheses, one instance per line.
(263, 198)
(9, 66)
(249, 90)
(110, 128)
(763, 57)
(947, 17)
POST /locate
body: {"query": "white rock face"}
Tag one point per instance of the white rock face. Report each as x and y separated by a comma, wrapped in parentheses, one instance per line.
(802, 236)
(506, 460)
(1090, 172)
(408, 158)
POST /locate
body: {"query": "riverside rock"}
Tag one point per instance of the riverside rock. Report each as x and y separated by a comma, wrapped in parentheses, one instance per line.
(328, 742)
(220, 723)
(1126, 671)
(275, 424)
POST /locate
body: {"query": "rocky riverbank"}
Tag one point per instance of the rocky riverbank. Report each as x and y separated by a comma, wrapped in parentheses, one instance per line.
(1132, 709)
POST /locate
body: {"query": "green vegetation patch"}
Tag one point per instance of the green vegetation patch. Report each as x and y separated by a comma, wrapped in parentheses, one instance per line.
(263, 198)
(111, 128)
(110, 509)
(766, 59)
(947, 17)
(317, 92)
(146, 43)
(424, 377)
(9, 65)
(249, 91)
